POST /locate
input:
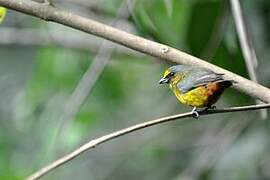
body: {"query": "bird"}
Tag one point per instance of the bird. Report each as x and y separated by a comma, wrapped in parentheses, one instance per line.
(195, 86)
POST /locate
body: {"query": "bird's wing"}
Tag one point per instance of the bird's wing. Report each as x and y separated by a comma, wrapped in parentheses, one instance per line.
(197, 78)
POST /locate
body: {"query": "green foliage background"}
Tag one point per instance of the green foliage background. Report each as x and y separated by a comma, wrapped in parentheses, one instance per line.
(36, 81)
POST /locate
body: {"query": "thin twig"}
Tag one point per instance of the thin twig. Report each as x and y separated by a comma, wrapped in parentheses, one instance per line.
(219, 143)
(87, 82)
(39, 37)
(93, 143)
(132, 41)
(244, 38)
(246, 46)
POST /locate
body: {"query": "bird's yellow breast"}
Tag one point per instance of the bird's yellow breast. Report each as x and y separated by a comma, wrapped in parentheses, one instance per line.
(197, 97)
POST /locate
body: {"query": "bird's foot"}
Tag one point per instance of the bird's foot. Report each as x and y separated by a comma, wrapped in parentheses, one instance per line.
(195, 113)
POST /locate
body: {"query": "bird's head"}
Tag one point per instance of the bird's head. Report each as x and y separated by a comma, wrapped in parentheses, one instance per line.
(174, 74)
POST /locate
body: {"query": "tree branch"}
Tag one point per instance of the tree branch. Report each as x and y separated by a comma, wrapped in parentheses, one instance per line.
(93, 143)
(50, 13)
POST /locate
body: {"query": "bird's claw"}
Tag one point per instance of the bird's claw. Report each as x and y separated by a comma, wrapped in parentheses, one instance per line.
(195, 113)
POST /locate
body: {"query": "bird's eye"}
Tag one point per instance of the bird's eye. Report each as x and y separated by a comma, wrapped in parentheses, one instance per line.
(171, 74)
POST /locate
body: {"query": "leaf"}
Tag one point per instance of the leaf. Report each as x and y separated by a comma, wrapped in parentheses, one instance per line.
(203, 20)
(3, 12)
(234, 62)
(164, 21)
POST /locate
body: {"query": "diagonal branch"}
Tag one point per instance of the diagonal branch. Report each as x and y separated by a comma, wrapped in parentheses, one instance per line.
(89, 79)
(69, 19)
(93, 143)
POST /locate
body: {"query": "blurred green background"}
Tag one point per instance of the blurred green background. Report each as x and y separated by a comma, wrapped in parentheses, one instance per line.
(42, 63)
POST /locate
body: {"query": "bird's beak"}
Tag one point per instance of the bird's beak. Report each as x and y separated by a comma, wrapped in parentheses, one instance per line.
(163, 80)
